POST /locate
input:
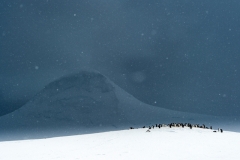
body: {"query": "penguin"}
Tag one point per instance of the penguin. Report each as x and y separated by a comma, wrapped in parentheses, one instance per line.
(143, 126)
(214, 131)
(210, 127)
(221, 130)
(149, 127)
(131, 128)
(204, 126)
(190, 126)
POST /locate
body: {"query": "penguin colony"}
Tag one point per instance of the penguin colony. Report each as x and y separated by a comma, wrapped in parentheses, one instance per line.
(182, 125)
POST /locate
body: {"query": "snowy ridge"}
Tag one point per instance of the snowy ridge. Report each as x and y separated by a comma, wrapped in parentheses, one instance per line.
(165, 143)
(89, 102)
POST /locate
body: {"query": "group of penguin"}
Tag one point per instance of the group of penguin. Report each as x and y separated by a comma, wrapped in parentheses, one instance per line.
(180, 125)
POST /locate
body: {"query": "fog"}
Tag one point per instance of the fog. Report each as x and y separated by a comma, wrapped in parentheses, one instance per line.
(176, 54)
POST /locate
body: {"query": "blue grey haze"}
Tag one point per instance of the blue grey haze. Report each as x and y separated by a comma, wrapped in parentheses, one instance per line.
(177, 54)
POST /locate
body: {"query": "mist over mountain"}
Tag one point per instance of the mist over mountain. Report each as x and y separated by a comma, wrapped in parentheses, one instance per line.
(88, 102)
(73, 99)
(177, 54)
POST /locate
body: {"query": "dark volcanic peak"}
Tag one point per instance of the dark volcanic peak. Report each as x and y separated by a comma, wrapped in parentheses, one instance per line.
(84, 89)
(85, 98)
(84, 80)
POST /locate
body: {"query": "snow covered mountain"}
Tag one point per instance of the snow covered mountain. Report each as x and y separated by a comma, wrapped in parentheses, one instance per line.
(88, 102)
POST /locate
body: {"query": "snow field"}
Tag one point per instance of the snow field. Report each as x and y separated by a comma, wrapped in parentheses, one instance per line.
(165, 143)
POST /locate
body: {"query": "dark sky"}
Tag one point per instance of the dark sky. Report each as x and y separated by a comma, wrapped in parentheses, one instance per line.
(176, 54)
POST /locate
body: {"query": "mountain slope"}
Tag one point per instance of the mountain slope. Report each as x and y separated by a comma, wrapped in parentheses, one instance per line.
(88, 102)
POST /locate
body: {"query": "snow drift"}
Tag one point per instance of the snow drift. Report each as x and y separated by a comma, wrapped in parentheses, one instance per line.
(88, 102)
(165, 143)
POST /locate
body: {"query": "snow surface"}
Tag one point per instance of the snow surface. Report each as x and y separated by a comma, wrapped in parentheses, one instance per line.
(165, 143)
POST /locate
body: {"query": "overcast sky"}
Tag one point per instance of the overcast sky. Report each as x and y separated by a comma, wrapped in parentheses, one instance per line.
(176, 54)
